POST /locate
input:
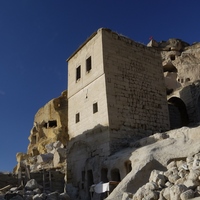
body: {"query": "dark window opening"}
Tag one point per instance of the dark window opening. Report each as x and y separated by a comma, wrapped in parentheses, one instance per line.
(52, 124)
(187, 80)
(78, 73)
(177, 113)
(83, 179)
(77, 117)
(172, 57)
(45, 125)
(89, 180)
(104, 175)
(169, 68)
(128, 166)
(88, 64)
(95, 107)
(181, 80)
(115, 175)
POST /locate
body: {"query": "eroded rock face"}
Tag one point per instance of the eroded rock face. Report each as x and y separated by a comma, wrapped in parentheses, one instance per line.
(48, 138)
(180, 59)
(50, 125)
(181, 66)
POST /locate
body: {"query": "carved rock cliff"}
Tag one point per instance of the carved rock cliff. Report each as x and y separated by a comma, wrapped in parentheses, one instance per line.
(48, 137)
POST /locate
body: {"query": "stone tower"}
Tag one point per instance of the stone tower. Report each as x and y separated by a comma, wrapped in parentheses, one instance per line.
(116, 93)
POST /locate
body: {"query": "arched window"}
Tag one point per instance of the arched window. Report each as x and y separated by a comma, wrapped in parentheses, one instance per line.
(177, 113)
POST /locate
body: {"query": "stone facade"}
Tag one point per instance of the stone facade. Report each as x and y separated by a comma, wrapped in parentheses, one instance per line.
(116, 94)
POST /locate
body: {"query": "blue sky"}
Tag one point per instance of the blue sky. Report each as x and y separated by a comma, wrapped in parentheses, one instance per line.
(37, 36)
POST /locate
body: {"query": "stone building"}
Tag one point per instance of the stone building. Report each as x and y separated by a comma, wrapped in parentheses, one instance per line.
(116, 95)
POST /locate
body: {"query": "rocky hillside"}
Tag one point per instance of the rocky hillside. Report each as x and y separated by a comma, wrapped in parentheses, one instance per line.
(48, 138)
(165, 166)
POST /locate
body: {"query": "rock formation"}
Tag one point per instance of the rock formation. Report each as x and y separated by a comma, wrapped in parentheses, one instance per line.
(50, 125)
(48, 138)
(180, 62)
(165, 166)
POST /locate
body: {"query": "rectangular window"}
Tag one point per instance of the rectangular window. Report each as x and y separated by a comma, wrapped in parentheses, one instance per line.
(77, 119)
(95, 107)
(88, 64)
(78, 73)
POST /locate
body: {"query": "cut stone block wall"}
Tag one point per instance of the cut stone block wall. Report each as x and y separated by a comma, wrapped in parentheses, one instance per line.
(135, 89)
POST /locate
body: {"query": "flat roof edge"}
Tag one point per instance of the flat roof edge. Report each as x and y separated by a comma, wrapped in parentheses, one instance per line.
(89, 38)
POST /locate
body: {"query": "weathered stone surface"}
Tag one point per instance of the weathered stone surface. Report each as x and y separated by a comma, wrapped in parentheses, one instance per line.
(47, 135)
(188, 194)
(49, 147)
(37, 191)
(45, 158)
(178, 144)
(50, 125)
(176, 191)
(53, 196)
(158, 178)
(58, 144)
(166, 193)
(56, 159)
(64, 196)
(31, 184)
(37, 197)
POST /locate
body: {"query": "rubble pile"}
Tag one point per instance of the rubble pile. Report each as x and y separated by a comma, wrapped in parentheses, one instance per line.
(181, 181)
(31, 191)
(54, 157)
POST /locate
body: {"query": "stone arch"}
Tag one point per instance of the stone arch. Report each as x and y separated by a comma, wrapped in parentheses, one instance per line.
(177, 113)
